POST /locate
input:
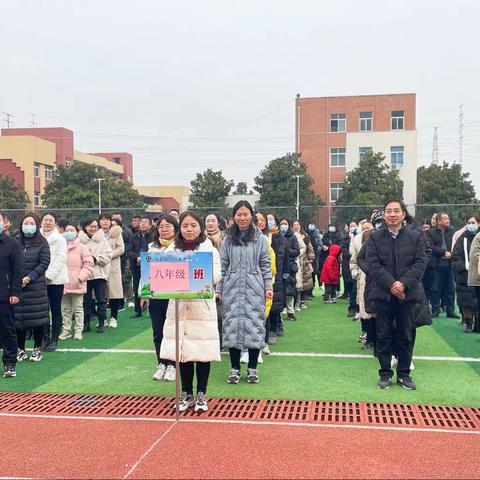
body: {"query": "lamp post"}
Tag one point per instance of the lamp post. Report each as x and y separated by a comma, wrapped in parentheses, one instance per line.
(99, 180)
(298, 196)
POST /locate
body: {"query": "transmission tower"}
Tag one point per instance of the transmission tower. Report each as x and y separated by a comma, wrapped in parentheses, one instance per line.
(435, 148)
(8, 119)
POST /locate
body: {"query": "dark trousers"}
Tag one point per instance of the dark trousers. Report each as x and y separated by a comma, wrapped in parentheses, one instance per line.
(136, 283)
(115, 305)
(330, 291)
(352, 304)
(8, 335)
(37, 337)
(253, 354)
(442, 288)
(394, 327)
(371, 329)
(158, 313)
(275, 319)
(186, 374)
(347, 287)
(427, 282)
(55, 294)
(99, 286)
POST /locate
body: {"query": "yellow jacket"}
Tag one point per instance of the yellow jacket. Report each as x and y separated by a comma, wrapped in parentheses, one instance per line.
(269, 301)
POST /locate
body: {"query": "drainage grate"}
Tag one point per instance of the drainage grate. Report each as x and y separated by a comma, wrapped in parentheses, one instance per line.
(297, 411)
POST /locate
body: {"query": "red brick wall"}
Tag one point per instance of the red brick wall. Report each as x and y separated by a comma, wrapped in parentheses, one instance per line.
(8, 167)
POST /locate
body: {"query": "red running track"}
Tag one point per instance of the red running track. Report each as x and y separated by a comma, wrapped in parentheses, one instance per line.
(56, 447)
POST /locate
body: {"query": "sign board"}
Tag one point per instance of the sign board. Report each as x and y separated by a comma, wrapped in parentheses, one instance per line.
(182, 275)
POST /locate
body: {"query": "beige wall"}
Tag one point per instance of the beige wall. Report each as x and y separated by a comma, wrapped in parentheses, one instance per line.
(180, 193)
(381, 142)
(26, 150)
(99, 162)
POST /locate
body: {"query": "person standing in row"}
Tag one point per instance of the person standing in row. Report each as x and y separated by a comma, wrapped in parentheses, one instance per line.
(199, 342)
(138, 244)
(163, 237)
(79, 267)
(246, 282)
(125, 268)
(32, 310)
(11, 269)
(94, 239)
(56, 276)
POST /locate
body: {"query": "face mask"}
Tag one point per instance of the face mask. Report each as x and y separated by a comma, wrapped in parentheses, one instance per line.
(332, 229)
(70, 236)
(271, 224)
(358, 231)
(472, 228)
(284, 228)
(1, 227)
(29, 229)
(311, 227)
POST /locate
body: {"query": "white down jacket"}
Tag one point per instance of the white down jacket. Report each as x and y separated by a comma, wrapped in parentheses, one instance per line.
(57, 272)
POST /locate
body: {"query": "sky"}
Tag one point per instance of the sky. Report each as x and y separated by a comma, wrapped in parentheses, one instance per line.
(190, 85)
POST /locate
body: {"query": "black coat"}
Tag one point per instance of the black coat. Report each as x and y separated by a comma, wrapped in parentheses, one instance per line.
(435, 240)
(402, 259)
(279, 245)
(369, 280)
(466, 296)
(135, 247)
(291, 267)
(11, 268)
(32, 311)
(346, 273)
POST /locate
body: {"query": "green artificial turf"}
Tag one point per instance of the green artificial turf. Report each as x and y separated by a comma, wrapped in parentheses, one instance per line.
(320, 329)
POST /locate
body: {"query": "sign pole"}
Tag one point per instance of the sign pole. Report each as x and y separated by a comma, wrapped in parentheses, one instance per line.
(177, 360)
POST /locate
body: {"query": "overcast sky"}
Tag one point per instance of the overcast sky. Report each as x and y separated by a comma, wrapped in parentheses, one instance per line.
(185, 86)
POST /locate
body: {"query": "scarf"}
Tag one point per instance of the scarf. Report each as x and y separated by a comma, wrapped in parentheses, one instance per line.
(188, 245)
(274, 230)
(164, 242)
(216, 237)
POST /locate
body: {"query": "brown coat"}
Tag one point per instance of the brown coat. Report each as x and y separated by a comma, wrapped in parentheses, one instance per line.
(115, 239)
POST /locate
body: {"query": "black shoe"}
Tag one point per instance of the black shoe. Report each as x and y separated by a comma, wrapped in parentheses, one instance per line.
(468, 325)
(86, 327)
(291, 316)
(100, 328)
(407, 383)
(351, 312)
(51, 346)
(453, 315)
(45, 343)
(384, 382)
(9, 371)
(344, 296)
(136, 315)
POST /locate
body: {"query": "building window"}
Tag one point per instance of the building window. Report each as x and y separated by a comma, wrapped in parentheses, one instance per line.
(48, 172)
(36, 170)
(396, 154)
(36, 199)
(362, 151)
(398, 118)
(338, 122)
(337, 157)
(335, 191)
(366, 121)
(117, 160)
(68, 162)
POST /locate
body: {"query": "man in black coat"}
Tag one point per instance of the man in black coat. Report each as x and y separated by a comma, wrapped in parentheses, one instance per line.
(138, 243)
(11, 268)
(396, 261)
(440, 265)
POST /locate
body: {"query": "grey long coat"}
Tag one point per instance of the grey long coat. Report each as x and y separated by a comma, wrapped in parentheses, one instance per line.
(246, 274)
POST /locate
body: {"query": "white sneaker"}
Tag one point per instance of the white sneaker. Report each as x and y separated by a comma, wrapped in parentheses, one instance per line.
(412, 366)
(170, 374)
(244, 357)
(113, 323)
(65, 335)
(260, 358)
(78, 335)
(266, 350)
(186, 401)
(201, 404)
(160, 372)
(394, 362)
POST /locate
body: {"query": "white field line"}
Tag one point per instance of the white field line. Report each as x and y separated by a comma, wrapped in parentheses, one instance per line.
(239, 422)
(277, 354)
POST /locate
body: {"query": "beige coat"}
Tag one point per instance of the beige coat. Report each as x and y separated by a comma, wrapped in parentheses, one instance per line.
(299, 260)
(474, 263)
(358, 276)
(199, 340)
(101, 252)
(115, 285)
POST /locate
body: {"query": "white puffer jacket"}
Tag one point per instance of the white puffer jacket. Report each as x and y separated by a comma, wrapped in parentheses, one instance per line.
(57, 272)
(101, 253)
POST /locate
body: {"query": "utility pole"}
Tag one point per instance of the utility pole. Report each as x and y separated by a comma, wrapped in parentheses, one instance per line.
(460, 136)
(99, 180)
(8, 121)
(33, 123)
(298, 197)
(435, 148)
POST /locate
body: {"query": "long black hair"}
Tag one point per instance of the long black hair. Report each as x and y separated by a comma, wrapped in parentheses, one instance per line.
(234, 231)
(180, 241)
(37, 238)
(169, 219)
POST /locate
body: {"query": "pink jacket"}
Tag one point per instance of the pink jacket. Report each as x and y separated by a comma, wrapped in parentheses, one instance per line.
(79, 265)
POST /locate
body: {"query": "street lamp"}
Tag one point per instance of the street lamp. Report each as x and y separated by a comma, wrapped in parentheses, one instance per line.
(298, 196)
(99, 180)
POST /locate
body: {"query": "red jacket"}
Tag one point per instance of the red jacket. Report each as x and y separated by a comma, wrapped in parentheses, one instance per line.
(331, 267)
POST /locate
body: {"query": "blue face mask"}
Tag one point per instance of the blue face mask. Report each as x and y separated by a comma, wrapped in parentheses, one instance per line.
(472, 228)
(284, 228)
(70, 236)
(311, 227)
(271, 224)
(29, 229)
(1, 227)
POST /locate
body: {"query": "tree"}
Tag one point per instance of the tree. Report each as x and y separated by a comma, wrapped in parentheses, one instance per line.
(369, 185)
(75, 187)
(210, 189)
(277, 186)
(11, 195)
(441, 186)
(241, 189)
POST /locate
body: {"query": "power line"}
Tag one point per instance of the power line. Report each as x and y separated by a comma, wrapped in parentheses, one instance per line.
(8, 121)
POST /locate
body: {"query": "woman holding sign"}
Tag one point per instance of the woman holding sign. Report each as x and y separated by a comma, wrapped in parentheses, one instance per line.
(245, 284)
(199, 342)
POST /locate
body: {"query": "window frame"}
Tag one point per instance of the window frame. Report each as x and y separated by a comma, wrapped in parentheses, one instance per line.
(36, 199)
(344, 119)
(396, 119)
(360, 153)
(48, 172)
(36, 170)
(367, 120)
(396, 153)
(338, 189)
(344, 153)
